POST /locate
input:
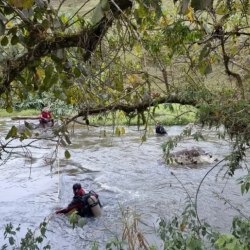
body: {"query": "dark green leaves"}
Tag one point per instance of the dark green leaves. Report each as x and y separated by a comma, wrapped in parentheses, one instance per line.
(178, 34)
(77, 72)
(67, 154)
(14, 40)
(245, 184)
(4, 41)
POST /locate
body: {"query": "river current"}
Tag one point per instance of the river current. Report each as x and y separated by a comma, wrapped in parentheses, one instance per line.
(126, 173)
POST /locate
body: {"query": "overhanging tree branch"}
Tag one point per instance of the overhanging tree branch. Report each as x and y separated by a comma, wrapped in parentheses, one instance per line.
(87, 39)
(140, 107)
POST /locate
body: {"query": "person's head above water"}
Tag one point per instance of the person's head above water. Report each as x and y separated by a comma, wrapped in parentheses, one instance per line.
(78, 190)
(45, 109)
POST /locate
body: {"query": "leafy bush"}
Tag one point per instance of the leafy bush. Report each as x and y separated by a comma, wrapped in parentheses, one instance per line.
(29, 242)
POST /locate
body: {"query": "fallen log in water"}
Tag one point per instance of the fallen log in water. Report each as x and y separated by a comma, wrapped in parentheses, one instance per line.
(25, 118)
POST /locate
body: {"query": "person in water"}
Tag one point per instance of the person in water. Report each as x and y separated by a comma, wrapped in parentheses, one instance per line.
(159, 129)
(86, 204)
(46, 117)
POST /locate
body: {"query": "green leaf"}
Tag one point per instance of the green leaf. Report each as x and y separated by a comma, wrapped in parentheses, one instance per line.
(247, 186)
(77, 72)
(11, 241)
(46, 23)
(39, 239)
(43, 230)
(4, 41)
(205, 67)
(12, 133)
(194, 244)
(205, 52)
(14, 40)
(73, 218)
(67, 154)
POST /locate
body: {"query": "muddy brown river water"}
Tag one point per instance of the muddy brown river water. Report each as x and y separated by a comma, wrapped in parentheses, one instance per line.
(125, 172)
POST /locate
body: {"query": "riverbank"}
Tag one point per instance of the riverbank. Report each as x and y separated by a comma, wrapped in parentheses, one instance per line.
(27, 112)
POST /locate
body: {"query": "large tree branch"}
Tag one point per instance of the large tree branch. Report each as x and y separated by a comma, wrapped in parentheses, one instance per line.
(226, 59)
(140, 107)
(87, 39)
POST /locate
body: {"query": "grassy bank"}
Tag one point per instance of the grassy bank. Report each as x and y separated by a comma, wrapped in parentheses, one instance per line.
(27, 112)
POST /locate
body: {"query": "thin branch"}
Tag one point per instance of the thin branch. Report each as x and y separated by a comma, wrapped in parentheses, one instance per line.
(198, 189)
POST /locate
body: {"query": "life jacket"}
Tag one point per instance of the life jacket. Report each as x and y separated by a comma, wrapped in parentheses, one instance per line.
(90, 204)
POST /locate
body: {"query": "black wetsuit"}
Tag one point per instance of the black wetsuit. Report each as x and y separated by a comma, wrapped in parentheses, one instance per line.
(80, 203)
(160, 130)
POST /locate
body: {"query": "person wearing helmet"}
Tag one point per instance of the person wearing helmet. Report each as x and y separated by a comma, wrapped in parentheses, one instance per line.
(160, 130)
(46, 117)
(86, 205)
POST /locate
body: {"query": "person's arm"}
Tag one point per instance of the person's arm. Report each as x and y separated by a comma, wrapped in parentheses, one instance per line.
(62, 211)
(71, 206)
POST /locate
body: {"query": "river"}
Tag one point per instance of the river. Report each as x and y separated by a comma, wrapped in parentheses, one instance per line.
(125, 172)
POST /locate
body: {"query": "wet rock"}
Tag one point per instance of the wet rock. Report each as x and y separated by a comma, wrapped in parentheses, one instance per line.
(192, 157)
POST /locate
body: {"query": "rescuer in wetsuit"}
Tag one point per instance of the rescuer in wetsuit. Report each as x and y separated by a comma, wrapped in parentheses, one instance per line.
(160, 130)
(79, 202)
